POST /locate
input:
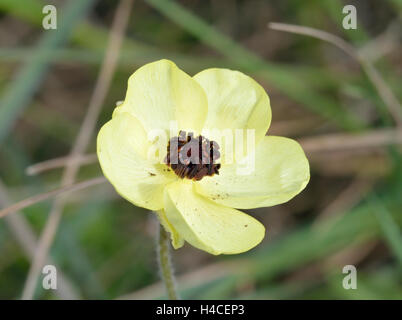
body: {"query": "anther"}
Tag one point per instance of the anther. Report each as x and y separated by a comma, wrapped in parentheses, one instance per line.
(192, 158)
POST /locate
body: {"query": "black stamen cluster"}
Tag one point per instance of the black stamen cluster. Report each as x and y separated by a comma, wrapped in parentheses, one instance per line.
(192, 158)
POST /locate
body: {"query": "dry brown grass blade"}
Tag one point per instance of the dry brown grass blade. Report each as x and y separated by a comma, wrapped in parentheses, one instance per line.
(347, 141)
(383, 44)
(352, 254)
(344, 201)
(26, 238)
(328, 142)
(55, 163)
(392, 103)
(193, 278)
(108, 67)
(44, 196)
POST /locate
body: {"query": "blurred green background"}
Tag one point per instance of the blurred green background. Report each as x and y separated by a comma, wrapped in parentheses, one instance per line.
(350, 213)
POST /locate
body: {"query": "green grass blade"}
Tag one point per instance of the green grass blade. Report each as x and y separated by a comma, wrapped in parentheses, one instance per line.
(389, 228)
(17, 96)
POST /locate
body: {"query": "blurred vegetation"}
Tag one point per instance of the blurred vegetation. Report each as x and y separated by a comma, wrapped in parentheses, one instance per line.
(350, 213)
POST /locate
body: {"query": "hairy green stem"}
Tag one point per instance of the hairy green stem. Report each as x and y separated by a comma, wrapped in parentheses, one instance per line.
(165, 264)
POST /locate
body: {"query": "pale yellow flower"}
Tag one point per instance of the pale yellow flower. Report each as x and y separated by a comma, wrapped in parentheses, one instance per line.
(200, 212)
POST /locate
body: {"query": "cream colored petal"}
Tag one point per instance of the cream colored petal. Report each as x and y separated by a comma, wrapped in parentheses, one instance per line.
(177, 240)
(280, 171)
(122, 148)
(207, 225)
(159, 92)
(235, 101)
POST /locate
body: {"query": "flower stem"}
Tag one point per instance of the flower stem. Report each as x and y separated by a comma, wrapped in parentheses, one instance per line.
(165, 264)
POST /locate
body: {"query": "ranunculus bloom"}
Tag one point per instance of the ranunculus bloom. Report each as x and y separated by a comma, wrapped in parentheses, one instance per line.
(199, 210)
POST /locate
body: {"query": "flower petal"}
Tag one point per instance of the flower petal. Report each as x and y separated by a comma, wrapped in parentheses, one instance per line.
(177, 240)
(207, 225)
(159, 92)
(122, 148)
(235, 101)
(281, 171)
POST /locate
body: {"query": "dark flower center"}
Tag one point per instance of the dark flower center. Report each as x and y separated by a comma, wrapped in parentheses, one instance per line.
(192, 158)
